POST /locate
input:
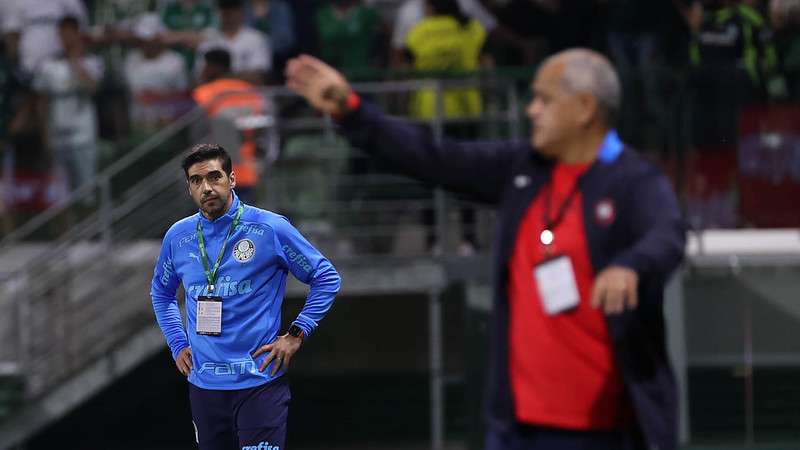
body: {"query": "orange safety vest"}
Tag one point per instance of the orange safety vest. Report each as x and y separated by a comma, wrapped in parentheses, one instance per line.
(219, 95)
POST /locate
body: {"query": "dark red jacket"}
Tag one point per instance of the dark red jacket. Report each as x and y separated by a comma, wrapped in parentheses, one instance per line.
(646, 235)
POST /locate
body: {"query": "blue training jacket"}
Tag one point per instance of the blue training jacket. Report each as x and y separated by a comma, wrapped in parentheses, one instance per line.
(251, 283)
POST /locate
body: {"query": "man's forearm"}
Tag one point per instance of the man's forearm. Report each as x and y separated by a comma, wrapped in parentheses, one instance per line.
(169, 320)
(324, 287)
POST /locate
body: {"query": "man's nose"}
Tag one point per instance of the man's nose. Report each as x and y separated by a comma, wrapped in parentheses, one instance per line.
(530, 110)
(533, 110)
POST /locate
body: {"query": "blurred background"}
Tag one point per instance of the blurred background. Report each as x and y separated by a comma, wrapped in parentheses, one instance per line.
(99, 99)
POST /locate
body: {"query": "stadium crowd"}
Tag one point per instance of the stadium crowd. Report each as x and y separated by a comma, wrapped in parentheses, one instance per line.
(83, 80)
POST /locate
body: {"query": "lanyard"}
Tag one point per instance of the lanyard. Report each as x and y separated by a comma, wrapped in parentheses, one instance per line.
(211, 275)
(547, 236)
(609, 152)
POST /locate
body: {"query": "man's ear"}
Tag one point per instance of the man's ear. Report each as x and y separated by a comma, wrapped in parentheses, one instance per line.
(233, 179)
(589, 108)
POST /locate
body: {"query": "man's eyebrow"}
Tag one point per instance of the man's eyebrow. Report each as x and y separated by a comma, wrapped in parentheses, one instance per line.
(211, 172)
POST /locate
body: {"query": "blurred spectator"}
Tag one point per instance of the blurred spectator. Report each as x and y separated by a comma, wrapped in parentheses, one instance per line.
(225, 99)
(733, 57)
(38, 21)
(66, 84)
(785, 19)
(251, 55)
(274, 18)
(411, 12)
(448, 40)
(156, 76)
(730, 35)
(26, 176)
(349, 35)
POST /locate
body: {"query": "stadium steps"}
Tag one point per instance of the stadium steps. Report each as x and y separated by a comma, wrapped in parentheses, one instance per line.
(88, 322)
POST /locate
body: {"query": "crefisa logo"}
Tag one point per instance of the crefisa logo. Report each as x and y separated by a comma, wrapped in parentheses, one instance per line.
(261, 446)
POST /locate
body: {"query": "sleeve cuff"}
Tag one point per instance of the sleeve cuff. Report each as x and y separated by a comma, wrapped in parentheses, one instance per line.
(179, 350)
(306, 325)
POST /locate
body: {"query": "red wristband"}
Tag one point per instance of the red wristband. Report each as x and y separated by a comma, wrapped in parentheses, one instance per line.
(351, 103)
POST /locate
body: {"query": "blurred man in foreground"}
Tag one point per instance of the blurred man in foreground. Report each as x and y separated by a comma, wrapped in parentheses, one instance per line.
(588, 233)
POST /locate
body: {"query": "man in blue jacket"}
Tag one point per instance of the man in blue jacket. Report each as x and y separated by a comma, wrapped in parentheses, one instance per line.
(232, 260)
(588, 233)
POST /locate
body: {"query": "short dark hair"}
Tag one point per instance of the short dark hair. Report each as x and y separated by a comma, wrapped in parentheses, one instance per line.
(229, 4)
(70, 22)
(218, 57)
(205, 152)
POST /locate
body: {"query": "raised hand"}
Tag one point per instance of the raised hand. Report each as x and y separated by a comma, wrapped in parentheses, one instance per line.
(320, 84)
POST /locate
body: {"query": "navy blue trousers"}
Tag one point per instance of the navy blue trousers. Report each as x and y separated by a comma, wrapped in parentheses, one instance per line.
(524, 437)
(246, 419)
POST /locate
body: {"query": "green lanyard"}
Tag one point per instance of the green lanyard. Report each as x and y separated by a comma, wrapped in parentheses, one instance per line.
(211, 275)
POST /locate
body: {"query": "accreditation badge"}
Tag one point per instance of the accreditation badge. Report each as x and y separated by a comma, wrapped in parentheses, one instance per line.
(209, 315)
(555, 280)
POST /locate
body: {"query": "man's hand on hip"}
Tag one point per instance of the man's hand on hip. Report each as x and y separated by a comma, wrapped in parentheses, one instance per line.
(281, 350)
(184, 361)
(321, 85)
(615, 288)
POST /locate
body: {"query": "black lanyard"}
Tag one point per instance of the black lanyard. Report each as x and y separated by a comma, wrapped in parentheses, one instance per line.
(551, 224)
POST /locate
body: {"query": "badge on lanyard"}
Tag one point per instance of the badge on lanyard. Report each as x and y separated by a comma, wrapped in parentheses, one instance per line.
(209, 307)
(555, 276)
(555, 280)
(209, 315)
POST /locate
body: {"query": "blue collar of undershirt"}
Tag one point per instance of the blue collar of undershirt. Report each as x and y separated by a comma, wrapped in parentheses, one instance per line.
(611, 149)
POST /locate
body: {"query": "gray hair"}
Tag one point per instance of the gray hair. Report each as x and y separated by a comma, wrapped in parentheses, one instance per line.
(588, 71)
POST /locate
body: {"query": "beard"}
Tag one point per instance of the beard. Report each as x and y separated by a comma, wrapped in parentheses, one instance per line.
(213, 207)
